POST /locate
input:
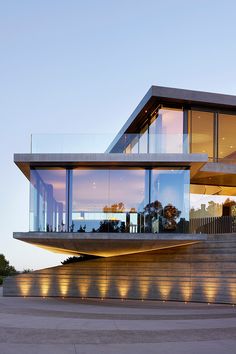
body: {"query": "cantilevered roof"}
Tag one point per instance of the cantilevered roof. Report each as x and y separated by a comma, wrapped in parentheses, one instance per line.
(105, 160)
(175, 97)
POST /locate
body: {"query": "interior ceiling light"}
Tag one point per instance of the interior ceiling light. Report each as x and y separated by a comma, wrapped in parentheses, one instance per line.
(155, 111)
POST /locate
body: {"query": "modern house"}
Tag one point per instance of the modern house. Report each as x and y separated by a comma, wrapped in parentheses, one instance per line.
(157, 208)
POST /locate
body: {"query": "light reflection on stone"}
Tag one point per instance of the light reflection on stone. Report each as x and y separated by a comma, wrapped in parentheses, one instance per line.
(164, 287)
(123, 285)
(64, 286)
(25, 286)
(44, 286)
(102, 283)
(232, 291)
(83, 286)
(210, 289)
(144, 285)
(186, 290)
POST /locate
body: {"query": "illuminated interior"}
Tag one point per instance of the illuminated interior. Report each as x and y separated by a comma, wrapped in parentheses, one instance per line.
(112, 200)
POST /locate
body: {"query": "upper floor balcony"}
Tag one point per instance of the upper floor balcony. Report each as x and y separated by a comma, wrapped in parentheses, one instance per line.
(128, 143)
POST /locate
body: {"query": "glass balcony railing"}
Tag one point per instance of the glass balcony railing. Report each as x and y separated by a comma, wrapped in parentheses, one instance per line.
(100, 143)
(70, 143)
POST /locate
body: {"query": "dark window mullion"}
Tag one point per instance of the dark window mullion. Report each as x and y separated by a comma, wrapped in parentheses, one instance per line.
(185, 131)
(68, 199)
(215, 135)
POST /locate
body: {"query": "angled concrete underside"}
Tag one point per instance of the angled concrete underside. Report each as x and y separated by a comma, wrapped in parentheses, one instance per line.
(106, 244)
(204, 271)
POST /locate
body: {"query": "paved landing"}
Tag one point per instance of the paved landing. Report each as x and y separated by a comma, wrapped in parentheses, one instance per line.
(37, 325)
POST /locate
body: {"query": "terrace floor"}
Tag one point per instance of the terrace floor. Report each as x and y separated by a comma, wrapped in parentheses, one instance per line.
(57, 325)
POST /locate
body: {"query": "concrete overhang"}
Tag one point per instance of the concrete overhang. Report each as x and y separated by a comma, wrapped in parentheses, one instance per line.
(216, 173)
(106, 244)
(175, 97)
(106, 160)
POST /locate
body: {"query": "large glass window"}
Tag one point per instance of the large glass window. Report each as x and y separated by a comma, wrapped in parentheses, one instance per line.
(143, 140)
(212, 201)
(128, 195)
(108, 200)
(48, 200)
(169, 205)
(202, 130)
(227, 142)
(90, 195)
(166, 132)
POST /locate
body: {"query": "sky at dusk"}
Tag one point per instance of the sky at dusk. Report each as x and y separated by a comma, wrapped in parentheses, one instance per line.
(76, 66)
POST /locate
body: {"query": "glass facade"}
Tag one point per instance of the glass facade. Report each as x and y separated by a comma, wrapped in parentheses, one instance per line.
(227, 143)
(212, 133)
(213, 209)
(212, 201)
(166, 132)
(135, 200)
(169, 204)
(48, 200)
(163, 134)
(109, 200)
(209, 132)
(202, 133)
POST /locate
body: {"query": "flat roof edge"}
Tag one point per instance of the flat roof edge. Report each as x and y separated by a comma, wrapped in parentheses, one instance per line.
(109, 157)
(174, 96)
(194, 95)
(112, 160)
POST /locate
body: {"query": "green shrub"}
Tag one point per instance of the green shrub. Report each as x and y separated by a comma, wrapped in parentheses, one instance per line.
(5, 268)
(1, 280)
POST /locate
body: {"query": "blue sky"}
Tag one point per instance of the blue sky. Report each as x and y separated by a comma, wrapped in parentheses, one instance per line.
(82, 66)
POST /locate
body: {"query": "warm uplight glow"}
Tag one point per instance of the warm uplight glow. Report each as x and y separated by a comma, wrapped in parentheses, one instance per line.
(123, 286)
(64, 286)
(144, 288)
(232, 291)
(44, 286)
(186, 290)
(210, 290)
(83, 286)
(102, 286)
(164, 287)
(25, 287)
